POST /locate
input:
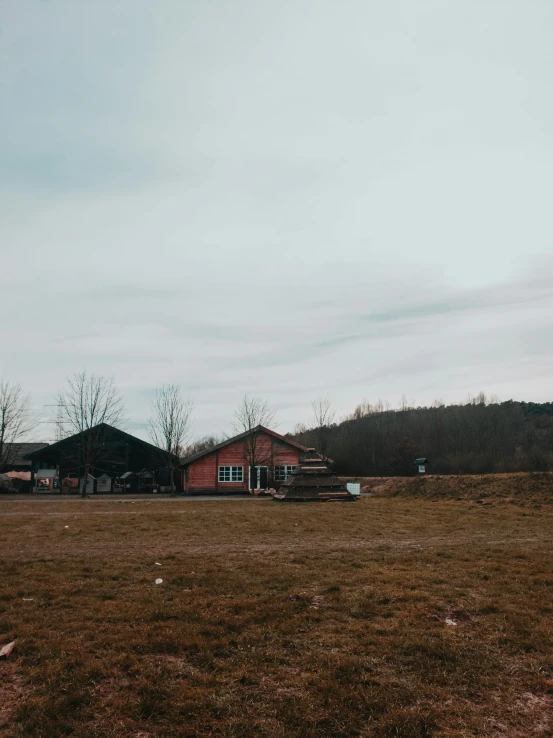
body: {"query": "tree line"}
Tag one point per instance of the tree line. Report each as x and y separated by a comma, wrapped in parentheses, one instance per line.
(481, 436)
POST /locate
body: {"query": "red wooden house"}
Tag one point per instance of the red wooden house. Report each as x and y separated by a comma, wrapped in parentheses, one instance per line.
(255, 460)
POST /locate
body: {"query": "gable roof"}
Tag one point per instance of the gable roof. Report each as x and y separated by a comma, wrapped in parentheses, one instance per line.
(55, 447)
(228, 441)
(17, 452)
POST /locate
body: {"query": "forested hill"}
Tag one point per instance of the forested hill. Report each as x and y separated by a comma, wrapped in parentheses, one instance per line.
(475, 438)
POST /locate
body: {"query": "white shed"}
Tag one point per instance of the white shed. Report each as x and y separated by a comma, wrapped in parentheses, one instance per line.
(103, 483)
(89, 484)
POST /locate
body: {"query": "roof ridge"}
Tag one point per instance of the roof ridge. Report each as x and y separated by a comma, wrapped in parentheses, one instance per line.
(222, 444)
(94, 427)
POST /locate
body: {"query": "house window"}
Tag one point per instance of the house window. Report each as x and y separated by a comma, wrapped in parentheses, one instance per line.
(231, 474)
(283, 472)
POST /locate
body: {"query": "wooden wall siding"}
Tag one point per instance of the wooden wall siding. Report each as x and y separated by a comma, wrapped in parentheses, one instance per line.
(203, 474)
(284, 455)
(233, 455)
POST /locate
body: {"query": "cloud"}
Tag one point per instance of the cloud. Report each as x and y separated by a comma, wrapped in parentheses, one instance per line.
(351, 202)
(59, 169)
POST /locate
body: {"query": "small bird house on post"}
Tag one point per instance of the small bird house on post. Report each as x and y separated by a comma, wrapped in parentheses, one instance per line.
(421, 463)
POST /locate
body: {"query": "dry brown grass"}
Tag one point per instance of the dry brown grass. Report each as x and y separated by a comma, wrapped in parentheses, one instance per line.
(277, 620)
(521, 488)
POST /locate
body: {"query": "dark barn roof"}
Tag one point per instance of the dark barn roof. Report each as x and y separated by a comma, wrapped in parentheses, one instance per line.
(228, 441)
(313, 480)
(17, 453)
(54, 449)
(115, 453)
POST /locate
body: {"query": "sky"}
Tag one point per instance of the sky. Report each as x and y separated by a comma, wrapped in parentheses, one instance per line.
(285, 198)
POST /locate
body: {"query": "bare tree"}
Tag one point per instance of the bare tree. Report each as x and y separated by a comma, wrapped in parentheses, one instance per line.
(201, 444)
(324, 418)
(480, 399)
(250, 414)
(88, 401)
(404, 404)
(323, 411)
(15, 420)
(169, 425)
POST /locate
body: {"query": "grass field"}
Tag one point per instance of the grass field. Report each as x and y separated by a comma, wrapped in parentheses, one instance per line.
(520, 488)
(391, 617)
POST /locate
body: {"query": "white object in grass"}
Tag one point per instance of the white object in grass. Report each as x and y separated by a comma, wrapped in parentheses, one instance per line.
(159, 581)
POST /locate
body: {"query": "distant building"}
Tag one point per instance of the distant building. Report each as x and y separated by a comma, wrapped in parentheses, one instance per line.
(118, 453)
(421, 463)
(13, 456)
(46, 480)
(227, 469)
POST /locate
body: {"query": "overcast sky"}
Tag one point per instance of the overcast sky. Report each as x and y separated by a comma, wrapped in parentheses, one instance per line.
(289, 198)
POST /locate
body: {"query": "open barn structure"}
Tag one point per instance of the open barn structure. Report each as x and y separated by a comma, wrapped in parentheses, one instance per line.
(116, 454)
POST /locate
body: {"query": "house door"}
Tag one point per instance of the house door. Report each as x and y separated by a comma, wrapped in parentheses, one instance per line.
(259, 476)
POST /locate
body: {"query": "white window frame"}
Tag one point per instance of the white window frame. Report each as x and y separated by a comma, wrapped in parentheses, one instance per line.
(284, 471)
(235, 474)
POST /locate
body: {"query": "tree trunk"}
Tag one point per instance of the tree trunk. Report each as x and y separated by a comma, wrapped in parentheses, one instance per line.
(173, 490)
(2, 433)
(85, 480)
